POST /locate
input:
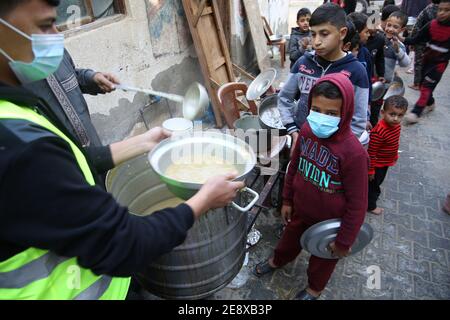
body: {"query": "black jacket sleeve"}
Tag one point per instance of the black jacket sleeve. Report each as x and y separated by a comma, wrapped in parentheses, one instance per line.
(85, 78)
(421, 37)
(46, 203)
(379, 63)
(295, 50)
(379, 59)
(101, 158)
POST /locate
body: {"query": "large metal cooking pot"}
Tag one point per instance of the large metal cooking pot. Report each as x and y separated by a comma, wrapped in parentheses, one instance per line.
(253, 133)
(212, 253)
(198, 143)
(269, 116)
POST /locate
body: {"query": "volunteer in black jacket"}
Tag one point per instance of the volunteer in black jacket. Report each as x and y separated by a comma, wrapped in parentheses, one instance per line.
(46, 201)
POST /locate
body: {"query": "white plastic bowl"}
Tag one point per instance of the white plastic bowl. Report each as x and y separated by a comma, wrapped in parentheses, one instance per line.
(177, 125)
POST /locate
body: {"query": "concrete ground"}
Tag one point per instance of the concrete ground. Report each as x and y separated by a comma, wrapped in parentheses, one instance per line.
(411, 246)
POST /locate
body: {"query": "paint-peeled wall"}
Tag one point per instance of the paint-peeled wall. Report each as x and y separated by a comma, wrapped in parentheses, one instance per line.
(150, 47)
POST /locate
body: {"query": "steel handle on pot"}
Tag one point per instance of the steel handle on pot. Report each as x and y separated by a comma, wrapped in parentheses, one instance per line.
(251, 204)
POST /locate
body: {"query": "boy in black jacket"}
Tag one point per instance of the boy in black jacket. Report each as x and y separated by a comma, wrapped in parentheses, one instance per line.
(300, 36)
(437, 54)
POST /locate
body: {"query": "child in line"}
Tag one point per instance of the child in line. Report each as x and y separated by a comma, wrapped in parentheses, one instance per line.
(437, 54)
(395, 51)
(300, 36)
(364, 56)
(360, 22)
(383, 147)
(328, 30)
(428, 14)
(326, 179)
(352, 40)
(375, 45)
(385, 13)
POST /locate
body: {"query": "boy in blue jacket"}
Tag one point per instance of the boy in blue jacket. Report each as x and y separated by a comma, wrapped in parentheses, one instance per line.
(300, 36)
(328, 30)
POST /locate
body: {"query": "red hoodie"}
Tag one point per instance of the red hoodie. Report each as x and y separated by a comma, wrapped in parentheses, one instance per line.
(328, 178)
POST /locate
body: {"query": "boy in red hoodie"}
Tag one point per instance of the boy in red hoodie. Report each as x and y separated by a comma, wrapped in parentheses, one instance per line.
(327, 178)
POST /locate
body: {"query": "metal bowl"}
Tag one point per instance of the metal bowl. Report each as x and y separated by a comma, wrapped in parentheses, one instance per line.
(378, 90)
(316, 239)
(200, 143)
(269, 115)
(396, 88)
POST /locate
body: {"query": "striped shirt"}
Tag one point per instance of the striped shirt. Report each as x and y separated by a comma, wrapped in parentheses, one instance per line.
(383, 146)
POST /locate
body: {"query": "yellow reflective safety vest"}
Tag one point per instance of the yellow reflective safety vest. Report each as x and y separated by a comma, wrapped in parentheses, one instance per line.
(42, 274)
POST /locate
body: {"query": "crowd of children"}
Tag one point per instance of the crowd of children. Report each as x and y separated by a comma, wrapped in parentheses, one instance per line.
(336, 168)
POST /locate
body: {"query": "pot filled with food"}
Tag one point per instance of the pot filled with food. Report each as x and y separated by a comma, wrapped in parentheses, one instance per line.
(211, 255)
(269, 115)
(185, 163)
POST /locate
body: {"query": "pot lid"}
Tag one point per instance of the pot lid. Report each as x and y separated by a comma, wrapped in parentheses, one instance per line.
(316, 239)
(261, 84)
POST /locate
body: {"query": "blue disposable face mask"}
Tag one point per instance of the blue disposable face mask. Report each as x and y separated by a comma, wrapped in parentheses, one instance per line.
(48, 52)
(322, 125)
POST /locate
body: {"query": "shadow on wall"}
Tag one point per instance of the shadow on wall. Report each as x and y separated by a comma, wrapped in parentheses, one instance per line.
(121, 119)
(176, 80)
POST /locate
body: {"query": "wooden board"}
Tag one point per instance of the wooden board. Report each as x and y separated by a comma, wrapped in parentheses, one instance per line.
(212, 50)
(225, 9)
(257, 30)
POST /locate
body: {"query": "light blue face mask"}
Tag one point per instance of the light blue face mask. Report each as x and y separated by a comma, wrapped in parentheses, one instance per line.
(48, 52)
(322, 125)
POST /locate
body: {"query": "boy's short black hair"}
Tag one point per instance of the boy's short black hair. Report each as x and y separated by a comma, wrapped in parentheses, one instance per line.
(328, 13)
(397, 102)
(6, 6)
(387, 11)
(401, 16)
(359, 20)
(435, 1)
(303, 12)
(355, 41)
(388, 2)
(351, 31)
(326, 89)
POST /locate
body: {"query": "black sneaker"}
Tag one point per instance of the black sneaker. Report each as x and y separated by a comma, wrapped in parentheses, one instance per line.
(304, 295)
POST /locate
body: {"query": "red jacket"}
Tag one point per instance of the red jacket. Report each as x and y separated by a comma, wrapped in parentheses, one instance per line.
(383, 146)
(328, 178)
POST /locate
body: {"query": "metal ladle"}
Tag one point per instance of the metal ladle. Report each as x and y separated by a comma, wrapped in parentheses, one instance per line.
(194, 101)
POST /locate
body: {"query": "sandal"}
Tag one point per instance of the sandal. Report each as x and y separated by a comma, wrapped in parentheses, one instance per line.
(305, 295)
(263, 268)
